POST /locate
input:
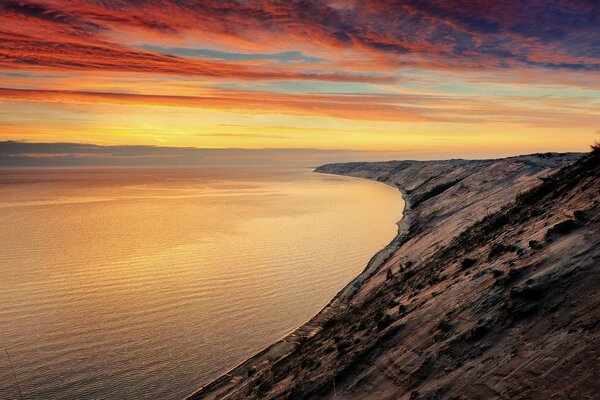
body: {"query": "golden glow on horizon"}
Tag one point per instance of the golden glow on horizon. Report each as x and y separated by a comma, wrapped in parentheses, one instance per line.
(189, 127)
(259, 75)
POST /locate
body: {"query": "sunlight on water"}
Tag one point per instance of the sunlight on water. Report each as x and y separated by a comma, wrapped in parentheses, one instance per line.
(147, 283)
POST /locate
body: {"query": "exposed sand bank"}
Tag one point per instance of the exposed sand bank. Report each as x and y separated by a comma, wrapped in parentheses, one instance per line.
(384, 335)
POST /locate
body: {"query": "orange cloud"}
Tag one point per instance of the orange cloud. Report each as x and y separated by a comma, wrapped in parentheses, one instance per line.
(455, 64)
(87, 34)
(364, 107)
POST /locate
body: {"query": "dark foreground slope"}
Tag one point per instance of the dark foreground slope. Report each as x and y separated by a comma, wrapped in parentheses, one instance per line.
(480, 296)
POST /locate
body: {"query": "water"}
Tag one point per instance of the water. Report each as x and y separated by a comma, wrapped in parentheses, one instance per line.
(147, 283)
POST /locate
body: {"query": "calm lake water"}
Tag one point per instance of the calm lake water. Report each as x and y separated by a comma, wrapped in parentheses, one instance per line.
(146, 283)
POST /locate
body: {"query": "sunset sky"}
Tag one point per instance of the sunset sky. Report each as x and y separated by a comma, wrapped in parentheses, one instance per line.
(466, 77)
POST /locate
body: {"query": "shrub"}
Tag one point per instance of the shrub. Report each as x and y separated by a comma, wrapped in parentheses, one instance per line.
(499, 248)
(390, 274)
(445, 326)
(434, 191)
(561, 228)
(477, 333)
(401, 309)
(409, 274)
(384, 322)
(467, 263)
(495, 221)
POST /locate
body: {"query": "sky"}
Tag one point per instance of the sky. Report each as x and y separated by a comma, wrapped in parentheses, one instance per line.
(415, 78)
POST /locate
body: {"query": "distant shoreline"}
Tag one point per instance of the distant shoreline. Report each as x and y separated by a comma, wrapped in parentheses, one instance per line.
(286, 345)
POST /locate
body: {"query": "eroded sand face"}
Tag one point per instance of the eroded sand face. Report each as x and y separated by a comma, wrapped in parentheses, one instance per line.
(506, 308)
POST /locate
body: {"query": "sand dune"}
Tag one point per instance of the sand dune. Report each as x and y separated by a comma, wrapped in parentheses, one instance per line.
(488, 291)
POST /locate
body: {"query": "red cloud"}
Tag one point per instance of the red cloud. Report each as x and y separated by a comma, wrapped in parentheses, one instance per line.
(365, 107)
(456, 34)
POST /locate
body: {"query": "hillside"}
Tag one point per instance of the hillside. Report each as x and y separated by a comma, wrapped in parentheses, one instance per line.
(488, 291)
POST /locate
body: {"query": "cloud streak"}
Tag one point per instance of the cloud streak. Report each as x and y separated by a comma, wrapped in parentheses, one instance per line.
(24, 52)
(454, 34)
(363, 107)
(410, 65)
(66, 154)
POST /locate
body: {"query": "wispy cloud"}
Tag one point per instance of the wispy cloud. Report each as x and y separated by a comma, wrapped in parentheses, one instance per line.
(282, 57)
(374, 107)
(396, 58)
(459, 34)
(24, 154)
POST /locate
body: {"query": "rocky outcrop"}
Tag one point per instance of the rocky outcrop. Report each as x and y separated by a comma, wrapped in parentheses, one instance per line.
(489, 291)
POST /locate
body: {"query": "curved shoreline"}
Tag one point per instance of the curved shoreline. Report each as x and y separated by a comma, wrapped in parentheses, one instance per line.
(420, 269)
(217, 388)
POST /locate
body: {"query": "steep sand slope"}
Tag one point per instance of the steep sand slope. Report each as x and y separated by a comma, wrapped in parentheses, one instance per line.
(478, 296)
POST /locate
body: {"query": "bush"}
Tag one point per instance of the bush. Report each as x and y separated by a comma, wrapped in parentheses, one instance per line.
(390, 275)
(436, 190)
(467, 263)
(496, 221)
(561, 228)
(401, 309)
(477, 333)
(384, 322)
(499, 248)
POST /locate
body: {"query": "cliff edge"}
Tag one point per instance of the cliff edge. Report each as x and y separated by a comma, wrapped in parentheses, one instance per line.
(488, 291)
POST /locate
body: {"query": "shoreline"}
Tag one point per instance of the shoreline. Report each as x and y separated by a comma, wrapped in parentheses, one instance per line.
(442, 199)
(287, 344)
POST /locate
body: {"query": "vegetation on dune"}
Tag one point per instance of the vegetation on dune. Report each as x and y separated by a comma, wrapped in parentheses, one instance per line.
(434, 191)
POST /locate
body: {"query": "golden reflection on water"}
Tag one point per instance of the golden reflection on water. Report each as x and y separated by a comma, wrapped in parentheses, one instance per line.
(146, 283)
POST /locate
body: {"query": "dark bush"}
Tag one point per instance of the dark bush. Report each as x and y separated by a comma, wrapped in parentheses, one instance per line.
(564, 226)
(467, 263)
(561, 228)
(445, 326)
(436, 190)
(528, 292)
(329, 322)
(495, 221)
(390, 274)
(264, 387)
(499, 248)
(401, 309)
(477, 333)
(384, 322)
(342, 348)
